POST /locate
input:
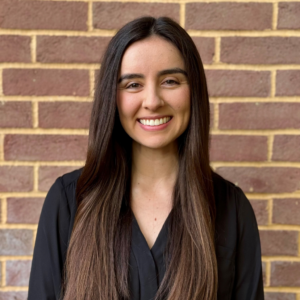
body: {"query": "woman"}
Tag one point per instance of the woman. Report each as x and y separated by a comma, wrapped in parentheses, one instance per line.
(146, 218)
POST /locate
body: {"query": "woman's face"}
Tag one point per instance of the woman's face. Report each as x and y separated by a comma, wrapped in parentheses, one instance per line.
(153, 97)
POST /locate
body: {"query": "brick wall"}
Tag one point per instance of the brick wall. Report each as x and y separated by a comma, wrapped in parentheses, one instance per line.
(49, 52)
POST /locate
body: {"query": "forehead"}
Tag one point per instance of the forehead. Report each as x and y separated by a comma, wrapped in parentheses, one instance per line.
(153, 53)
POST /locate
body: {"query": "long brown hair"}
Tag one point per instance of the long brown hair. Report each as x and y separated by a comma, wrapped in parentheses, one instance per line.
(98, 253)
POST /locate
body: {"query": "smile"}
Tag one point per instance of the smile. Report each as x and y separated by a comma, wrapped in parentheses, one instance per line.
(155, 122)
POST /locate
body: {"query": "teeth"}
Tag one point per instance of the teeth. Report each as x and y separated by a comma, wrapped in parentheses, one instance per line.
(155, 122)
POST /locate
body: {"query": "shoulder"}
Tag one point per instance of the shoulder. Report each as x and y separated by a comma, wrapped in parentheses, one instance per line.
(228, 193)
(234, 212)
(70, 178)
(60, 201)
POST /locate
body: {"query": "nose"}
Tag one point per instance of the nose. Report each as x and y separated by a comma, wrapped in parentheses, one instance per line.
(152, 100)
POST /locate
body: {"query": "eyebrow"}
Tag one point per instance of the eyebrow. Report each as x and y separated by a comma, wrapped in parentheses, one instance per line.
(160, 73)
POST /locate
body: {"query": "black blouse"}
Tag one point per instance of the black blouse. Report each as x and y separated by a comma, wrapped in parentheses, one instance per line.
(237, 246)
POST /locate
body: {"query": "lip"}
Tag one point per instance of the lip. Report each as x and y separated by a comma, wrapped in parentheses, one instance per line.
(157, 127)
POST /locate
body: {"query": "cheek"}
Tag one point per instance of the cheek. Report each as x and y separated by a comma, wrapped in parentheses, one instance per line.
(127, 105)
(183, 103)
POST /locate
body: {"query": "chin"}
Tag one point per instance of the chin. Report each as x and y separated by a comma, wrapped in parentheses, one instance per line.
(155, 144)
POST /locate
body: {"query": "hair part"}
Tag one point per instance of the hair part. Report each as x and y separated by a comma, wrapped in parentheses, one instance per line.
(97, 261)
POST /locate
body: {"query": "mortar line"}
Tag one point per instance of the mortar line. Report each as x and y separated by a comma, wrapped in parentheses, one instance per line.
(275, 16)
(212, 99)
(15, 257)
(13, 289)
(280, 258)
(85, 132)
(33, 48)
(44, 131)
(273, 83)
(35, 177)
(111, 32)
(92, 82)
(182, 15)
(299, 244)
(166, 1)
(3, 271)
(35, 114)
(1, 147)
(242, 164)
(260, 164)
(217, 55)
(1, 82)
(276, 227)
(215, 164)
(270, 147)
(47, 98)
(253, 196)
(33, 237)
(216, 116)
(268, 273)
(270, 212)
(66, 163)
(19, 226)
(90, 16)
(93, 66)
(60, 66)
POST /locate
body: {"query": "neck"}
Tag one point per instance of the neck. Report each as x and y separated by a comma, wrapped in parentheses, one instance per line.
(154, 172)
(154, 165)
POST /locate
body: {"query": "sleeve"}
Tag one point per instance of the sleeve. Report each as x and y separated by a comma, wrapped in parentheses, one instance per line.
(248, 282)
(50, 246)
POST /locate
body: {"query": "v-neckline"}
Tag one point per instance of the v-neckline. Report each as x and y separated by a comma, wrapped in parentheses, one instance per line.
(159, 236)
(147, 265)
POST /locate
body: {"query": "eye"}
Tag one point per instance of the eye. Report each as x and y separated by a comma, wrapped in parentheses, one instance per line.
(171, 82)
(133, 85)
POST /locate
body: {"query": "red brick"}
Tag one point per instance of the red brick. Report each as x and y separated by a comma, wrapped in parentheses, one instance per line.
(228, 16)
(279, 242)
(14, 48)
(285, 273)
(260, 208)
(260, 50)
(288, 15)
(238, 83)
(45, 147)
(64, 114)
(24, 210)
(15, 114)
(264, 179)
(286, 147)
(47, 175)
(116, 14)
(238, 148)
(279, 296)
(206, 48)
(43, 15)
(259, 115)
(287, 83)
(17, 272)
(13, 295)
(286, 211)
(16, 179)
(16, 241)
(71, 49)
(43, 82)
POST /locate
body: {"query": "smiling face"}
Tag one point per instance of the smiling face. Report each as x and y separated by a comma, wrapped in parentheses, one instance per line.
(153, 97)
